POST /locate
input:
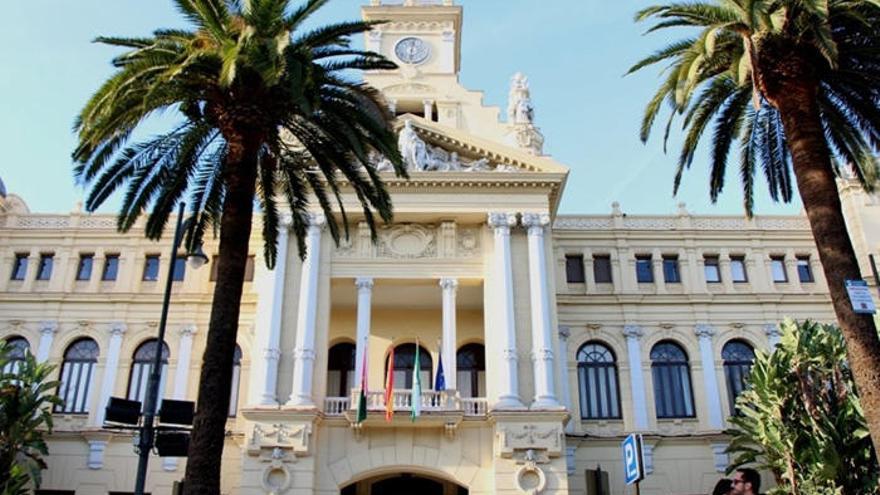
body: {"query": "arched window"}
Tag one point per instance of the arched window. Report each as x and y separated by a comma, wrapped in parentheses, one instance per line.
(471, 370)
(738, 357)
(597, 380)
(340, 370)
(18, 347)
(236, 381)
(404, 361)
(140, 371)
(673, 396)
(77, 374)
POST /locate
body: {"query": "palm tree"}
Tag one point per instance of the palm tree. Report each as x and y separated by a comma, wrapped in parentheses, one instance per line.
(796, 83)
(267, 112)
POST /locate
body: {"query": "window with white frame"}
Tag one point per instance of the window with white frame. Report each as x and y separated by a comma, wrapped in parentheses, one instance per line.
(77, 375)
(673, 395)
(597, 382)
(141, 364)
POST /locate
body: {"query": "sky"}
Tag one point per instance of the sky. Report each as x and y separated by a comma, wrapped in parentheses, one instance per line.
(575, 53)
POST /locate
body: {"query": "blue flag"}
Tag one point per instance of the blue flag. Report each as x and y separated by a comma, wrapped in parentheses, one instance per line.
(440, 381)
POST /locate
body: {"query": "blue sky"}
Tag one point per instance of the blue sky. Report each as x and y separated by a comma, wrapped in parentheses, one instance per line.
(574, 52)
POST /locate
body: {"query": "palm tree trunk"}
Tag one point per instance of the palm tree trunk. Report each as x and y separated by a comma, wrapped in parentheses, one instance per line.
(209, 427)
(796, 102)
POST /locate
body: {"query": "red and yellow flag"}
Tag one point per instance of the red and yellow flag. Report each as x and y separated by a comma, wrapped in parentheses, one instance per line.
(389, 388)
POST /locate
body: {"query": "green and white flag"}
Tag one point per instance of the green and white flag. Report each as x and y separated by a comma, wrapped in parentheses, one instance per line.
(416, 398)
(362, 396)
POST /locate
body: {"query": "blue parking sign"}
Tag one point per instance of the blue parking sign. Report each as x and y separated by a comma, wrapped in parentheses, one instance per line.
(633, 469)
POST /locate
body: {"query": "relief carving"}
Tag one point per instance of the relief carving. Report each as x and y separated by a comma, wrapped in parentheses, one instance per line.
(517, 439)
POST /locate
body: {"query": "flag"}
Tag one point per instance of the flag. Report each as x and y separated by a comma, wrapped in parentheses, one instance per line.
(416, 398)
(362, 397)
(389, 388)
(440, 381)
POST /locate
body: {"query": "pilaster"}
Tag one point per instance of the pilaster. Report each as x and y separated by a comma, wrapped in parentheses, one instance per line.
(633, 334)
(710, 379)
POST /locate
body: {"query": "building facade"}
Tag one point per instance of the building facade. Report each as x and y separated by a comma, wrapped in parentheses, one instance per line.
(558, 334)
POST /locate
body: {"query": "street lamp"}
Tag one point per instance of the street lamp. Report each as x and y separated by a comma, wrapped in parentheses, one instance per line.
(147, 433)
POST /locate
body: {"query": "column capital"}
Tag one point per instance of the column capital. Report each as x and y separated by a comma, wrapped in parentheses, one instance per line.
(188, 330)
(535, 222)
(48, 327)
(704, 331)
(374, 34)
(315, 219)
(633, 331)
(118, 328)
(449, 283)
(285, 220)
(498, 220)
(564, 332)
(364, 283)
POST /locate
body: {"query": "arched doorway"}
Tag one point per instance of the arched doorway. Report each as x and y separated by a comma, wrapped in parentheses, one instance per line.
(403, 484)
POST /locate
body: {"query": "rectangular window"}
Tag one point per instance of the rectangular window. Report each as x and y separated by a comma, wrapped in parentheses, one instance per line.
(111, 267)
(84, 271)
(574, 268)
(777, 267)
(805, 273)
(19, 266)
(602, 268)
(712, 269)
(671, 274)
(44, 272)
(738, 269)
(151, 268)
(644, 271)
(179, 268)
(248, 268)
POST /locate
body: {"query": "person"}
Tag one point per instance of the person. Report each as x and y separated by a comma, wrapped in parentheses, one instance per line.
(723, 487)
(747, 481)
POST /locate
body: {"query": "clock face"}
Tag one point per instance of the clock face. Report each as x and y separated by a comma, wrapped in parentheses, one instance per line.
(412, 50)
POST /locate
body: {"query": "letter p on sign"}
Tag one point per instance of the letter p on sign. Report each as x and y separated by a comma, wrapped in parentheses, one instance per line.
(632, 459)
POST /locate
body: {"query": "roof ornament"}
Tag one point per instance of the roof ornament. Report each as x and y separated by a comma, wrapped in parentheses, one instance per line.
(521, 117)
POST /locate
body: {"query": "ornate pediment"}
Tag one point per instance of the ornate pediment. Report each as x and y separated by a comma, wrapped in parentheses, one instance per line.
(429, 147)
(422, 156)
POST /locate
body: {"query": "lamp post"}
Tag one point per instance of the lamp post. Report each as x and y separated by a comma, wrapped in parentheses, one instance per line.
(147, 433)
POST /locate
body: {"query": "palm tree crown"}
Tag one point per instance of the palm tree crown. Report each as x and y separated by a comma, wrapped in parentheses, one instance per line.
(244, 79)
(726, 77)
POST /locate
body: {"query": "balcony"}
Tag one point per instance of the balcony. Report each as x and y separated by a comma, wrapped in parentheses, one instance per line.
(431, 402)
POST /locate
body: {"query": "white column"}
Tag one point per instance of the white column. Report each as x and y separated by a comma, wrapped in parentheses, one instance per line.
(428, 107)
(184, 356)
(710, 379)
(48, 329)
(637, 381)
(503, 273)
(111, 369)
(365, 295)
(773, 334)
(264, 379)
(181, 377)
(304, 351)
(450, 369)
(542, 335)
(564, 334)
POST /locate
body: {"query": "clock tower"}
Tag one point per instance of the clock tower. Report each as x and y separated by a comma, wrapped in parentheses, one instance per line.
(423, 37)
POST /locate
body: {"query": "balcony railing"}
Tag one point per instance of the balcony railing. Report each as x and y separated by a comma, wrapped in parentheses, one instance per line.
(401, 400)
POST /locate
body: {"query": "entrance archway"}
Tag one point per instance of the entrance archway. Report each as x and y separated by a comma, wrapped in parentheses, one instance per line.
(403, 484)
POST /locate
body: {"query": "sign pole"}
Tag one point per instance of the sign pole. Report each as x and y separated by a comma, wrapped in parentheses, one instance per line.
(637, 483)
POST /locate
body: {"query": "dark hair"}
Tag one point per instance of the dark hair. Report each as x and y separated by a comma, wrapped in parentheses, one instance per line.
(751, 476)
(723, 487)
